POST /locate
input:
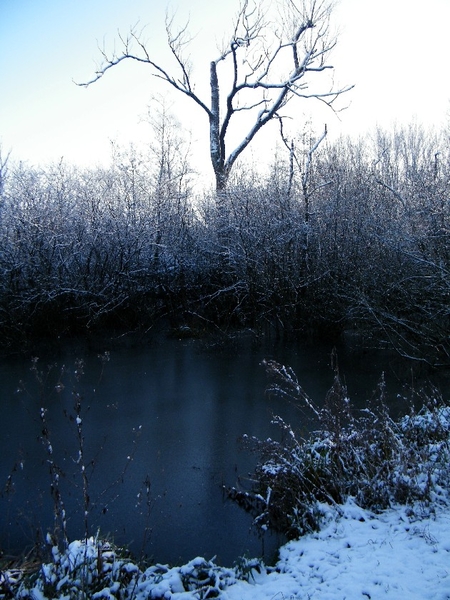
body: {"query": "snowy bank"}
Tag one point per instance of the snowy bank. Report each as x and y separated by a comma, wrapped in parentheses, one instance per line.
(396, 554)
(400, 552)
(360, 555)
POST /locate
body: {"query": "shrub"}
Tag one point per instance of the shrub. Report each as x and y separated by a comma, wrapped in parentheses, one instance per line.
(95, 568)
(364, 454)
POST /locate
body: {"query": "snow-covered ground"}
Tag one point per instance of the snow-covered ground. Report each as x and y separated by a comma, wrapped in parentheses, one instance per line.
(402, 553)
(360, 555)
(357, 554)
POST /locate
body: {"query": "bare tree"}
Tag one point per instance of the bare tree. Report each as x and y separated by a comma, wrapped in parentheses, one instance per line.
(302, 161)
(270, 62)
(170, 176)
(3, 169)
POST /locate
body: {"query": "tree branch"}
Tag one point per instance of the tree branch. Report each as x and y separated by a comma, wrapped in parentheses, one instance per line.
(259, 54)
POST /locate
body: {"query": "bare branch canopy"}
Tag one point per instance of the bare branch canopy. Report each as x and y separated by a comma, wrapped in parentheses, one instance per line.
(271, 63)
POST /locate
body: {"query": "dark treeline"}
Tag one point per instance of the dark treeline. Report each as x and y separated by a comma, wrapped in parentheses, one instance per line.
(352, 237)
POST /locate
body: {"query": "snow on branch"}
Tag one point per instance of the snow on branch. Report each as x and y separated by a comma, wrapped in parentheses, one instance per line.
(271, 62)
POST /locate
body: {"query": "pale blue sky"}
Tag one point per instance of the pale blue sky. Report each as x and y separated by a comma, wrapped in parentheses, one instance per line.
(395, 51)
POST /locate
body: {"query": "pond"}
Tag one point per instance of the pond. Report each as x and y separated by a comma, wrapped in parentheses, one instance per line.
(161, 426)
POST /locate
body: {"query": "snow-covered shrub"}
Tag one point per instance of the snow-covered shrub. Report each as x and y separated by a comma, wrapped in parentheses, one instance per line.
(91, 568)
(96, 569)
(362, 454)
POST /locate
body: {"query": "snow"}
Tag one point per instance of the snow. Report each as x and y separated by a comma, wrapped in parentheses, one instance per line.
(399, 553)
(362, 555)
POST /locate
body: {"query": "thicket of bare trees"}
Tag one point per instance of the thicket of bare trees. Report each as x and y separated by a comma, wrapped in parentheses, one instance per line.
(125, 246)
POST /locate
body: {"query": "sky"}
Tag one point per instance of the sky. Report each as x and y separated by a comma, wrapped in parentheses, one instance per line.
(395, 52)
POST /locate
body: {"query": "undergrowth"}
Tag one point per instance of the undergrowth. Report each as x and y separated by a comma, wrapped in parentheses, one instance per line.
(364, 454)
(94, 568)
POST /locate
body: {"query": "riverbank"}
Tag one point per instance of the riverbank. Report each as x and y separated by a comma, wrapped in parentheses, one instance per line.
(398, 553)
(380, 531)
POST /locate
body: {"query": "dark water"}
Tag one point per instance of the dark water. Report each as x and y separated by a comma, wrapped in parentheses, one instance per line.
(171, 415)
